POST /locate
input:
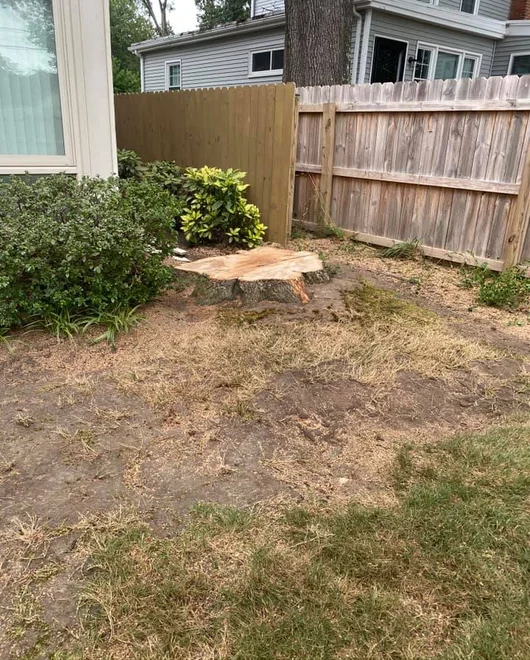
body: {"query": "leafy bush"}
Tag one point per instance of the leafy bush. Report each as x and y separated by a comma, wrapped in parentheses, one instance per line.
(215, 208)
(71, 247)
(510, 288)
(211, 205)
(169, 176)
(129, 165)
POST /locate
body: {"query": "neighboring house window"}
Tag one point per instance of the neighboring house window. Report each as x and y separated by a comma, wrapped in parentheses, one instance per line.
(469, 6)
(173, 76)
(435, 63)
(266, 62)
(31, 122)
(519, 64)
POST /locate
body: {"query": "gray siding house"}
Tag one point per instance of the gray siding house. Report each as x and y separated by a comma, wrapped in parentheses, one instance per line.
(393, 40)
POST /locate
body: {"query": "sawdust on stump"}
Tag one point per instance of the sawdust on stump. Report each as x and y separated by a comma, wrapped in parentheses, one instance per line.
(265, 273)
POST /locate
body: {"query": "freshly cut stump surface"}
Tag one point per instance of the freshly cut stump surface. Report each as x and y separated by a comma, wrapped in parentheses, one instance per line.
(264, 273)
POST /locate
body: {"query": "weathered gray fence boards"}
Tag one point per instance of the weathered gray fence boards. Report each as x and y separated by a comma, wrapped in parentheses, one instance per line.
(440, 161)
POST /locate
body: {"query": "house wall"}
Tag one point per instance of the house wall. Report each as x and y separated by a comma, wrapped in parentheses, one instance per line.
(504, 50)
(217, 63)
(497, 9)
(82, 35)
(260, 7)
(397, 27)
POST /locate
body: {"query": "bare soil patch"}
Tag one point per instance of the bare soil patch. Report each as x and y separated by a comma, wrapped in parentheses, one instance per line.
(239, 405)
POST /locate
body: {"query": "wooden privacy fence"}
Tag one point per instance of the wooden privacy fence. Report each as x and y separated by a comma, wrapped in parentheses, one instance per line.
(249, 128)
(444, 162)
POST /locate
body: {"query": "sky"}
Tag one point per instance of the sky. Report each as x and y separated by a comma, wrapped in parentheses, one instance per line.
(184, 17)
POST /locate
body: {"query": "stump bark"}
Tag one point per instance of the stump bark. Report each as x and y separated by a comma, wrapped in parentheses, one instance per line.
(265, 273)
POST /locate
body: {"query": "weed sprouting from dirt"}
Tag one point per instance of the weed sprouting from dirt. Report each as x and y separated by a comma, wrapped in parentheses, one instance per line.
(403, 250)
(509, 289)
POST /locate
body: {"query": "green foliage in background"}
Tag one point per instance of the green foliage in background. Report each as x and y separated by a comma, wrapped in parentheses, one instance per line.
(73, 248)
(212, 13)
(128, 25)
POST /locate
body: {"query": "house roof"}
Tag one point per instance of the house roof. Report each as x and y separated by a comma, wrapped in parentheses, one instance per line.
(198, 36)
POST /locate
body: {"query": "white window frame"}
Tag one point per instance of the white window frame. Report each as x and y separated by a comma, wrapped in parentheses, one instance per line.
(434, 59)
(170, 63)
(475, 9)
(67, 92)
(512, 60)
(403, 41)
(271, 72)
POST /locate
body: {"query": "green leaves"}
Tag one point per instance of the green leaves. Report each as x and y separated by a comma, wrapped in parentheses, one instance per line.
(215, 208)
(73, 248)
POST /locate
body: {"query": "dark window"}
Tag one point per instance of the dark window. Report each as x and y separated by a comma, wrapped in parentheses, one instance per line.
(277, 60)
(261, 61)
(267, 60)
(389, 60)
(468, 6)
(520, 65)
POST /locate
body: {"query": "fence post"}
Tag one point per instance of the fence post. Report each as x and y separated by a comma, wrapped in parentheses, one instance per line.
(519, 220)
(292, 171)
(328, 150)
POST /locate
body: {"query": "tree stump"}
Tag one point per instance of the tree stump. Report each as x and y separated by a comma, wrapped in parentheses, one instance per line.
(265, 273)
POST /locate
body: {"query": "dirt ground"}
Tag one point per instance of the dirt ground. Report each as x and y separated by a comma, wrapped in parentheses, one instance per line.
(239, 406)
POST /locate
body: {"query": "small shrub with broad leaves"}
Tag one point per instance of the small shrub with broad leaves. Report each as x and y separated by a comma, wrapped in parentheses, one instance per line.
(216, 208)
(72, 250)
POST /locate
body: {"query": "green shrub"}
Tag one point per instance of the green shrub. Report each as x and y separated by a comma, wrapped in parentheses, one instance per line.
(129, 165)
(216, 209)
(71, 248)
(509, 289)
(167, 175)
(210, 203)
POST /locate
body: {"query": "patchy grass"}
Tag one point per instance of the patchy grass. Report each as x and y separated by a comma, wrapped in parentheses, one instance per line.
(238, 356)
(509, 289)
(369, 304)
(444, 574)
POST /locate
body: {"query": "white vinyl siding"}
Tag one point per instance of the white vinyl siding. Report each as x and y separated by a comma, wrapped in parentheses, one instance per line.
(218, 63)
(261, 7)
(398, 27)
(497, 9)
(504, 51)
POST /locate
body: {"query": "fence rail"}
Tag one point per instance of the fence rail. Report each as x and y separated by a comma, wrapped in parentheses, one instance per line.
(248, 128)
(445, 162)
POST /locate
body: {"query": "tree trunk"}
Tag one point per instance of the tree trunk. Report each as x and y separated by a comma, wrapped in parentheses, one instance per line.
(318, 42)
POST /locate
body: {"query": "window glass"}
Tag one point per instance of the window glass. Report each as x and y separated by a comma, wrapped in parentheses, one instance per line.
(423, 61)
(277, 60)
(446, 66)
(520, 65)
(468, 6)
(261, 61)
(174, 76)
(30, 105)
(468, 69)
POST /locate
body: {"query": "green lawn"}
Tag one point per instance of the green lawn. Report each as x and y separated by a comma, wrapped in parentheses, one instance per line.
(444, 574)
